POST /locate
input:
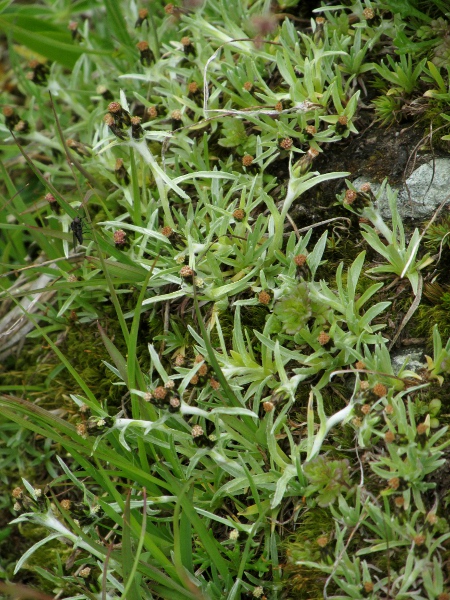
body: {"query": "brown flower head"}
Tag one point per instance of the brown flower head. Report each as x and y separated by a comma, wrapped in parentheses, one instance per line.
(278, 106)
(247, 160)
(239, 214)
(248, 85)
(368, 13)
(264, 297)
(152, 112)
(66, 504)
(379, 390)
(160, 392)
(394, 483)
(287, 143)
(196, 431)
(323, 338)
(119, 237)
(300, 259)
(350, 197)
(193, 87)
(322, 541)
(186, 272)
(214, 384)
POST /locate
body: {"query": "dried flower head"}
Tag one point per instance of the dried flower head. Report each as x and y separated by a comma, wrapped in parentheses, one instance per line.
(268, 406)
(193, 87)
(22, 126)
(66, 504)
(264, 297)
(365, 188)
(394, 483)
(264, 24)
(368, 13)
(379, 390)
(389, 437)
(323, 338)
(17, 492)
(287, 143)
(50, 198)
(175, 403)
(310, 130)
(115, 108)
(350, 197)
(176, 114)
(179, 360)
(214, 384)
(300, 259)
(368, 587)
(365, 409)
(152, 112)
(160, 393)
(196, 431)
(8, 111)
(169, 9)
(247, 160)
(248, 85)
(148, 396)
(194, 379)
(167, 231)
(399, 501)
(199, 358)
(422, 428)
(82, 430)
(203, 370)
(258, 591)
(432, 518)
(85, 572)
(419, 539)
(360, 365)
(389, 409)
(239, 214)
(170, 384)
(233, 535)
(119, 237)
(185, 41)
(320, 20)
(343, 120)
(278, 106)
(322, 541)
(72, 278)
(364, 385)
(186, 272)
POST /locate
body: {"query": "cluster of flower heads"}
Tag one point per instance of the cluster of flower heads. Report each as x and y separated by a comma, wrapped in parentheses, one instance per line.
(119, 121)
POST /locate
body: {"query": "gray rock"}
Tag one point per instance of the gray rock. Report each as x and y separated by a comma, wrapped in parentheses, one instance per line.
(426, 191)
(416, 360)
